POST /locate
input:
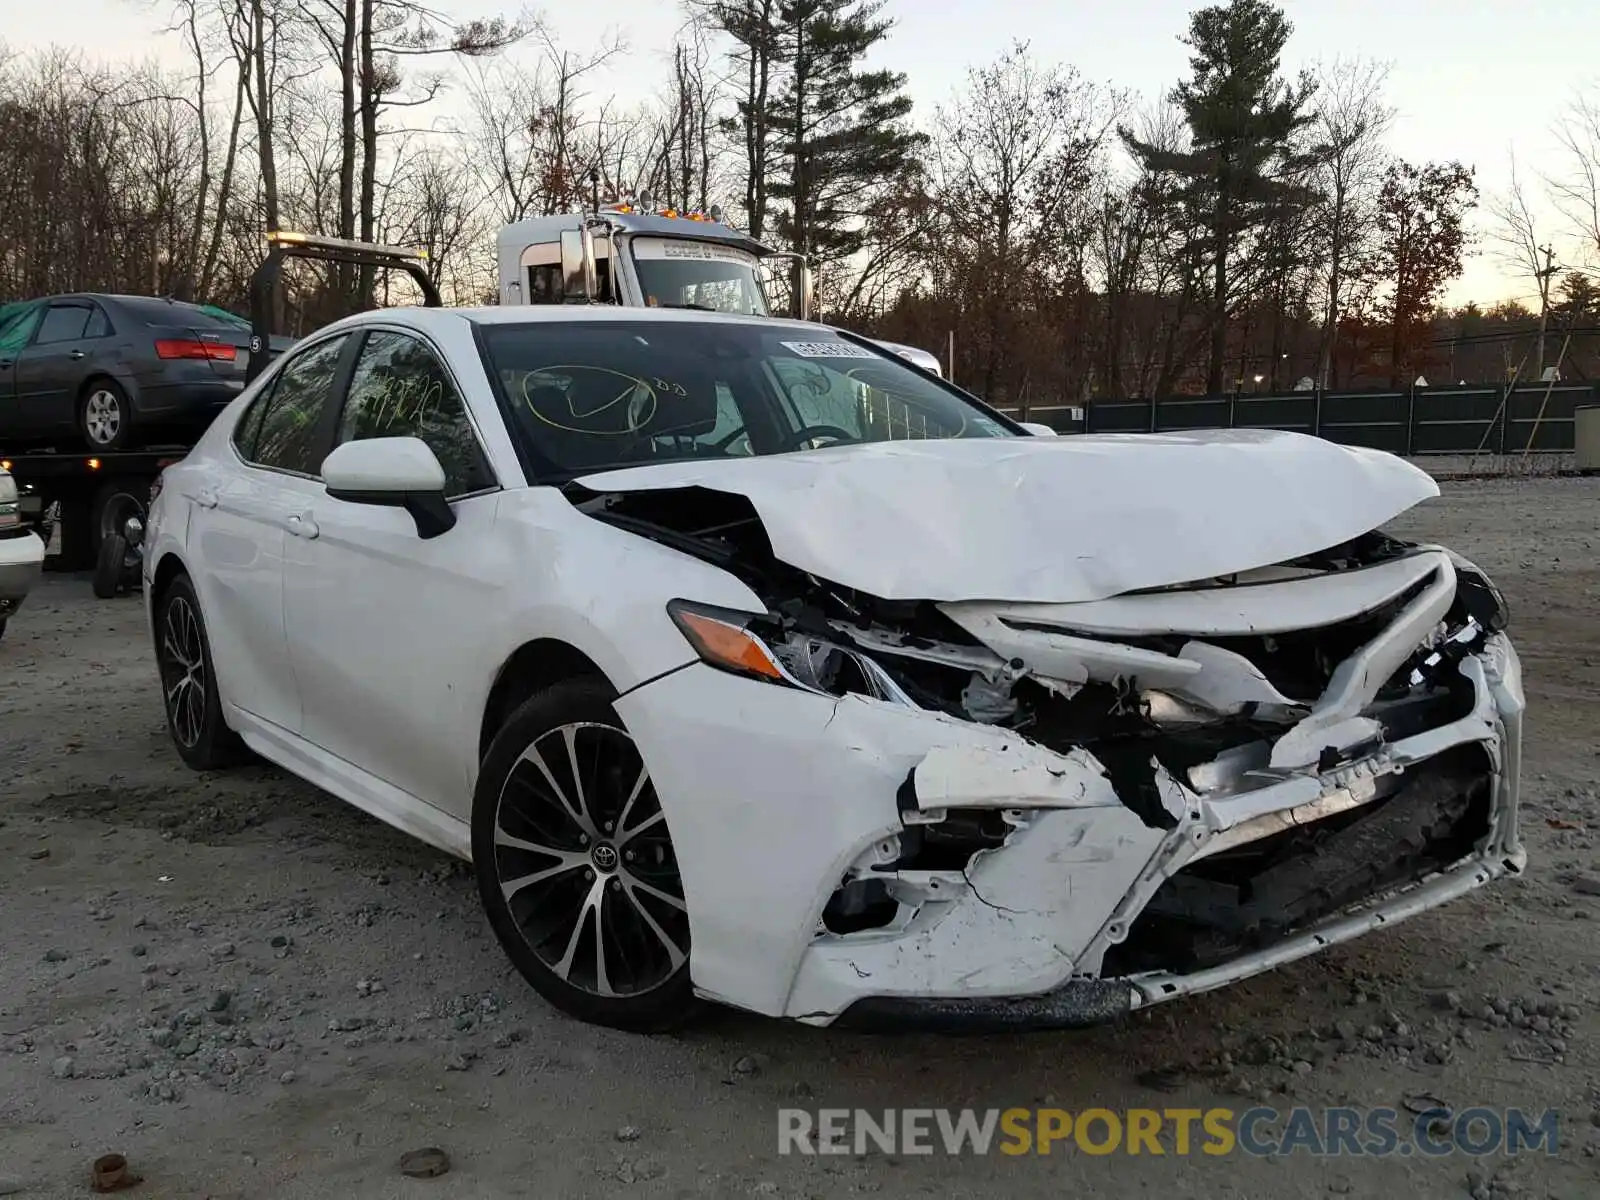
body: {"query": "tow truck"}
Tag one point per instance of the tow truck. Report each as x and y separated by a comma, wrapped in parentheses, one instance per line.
(97, 502)
(638, 254)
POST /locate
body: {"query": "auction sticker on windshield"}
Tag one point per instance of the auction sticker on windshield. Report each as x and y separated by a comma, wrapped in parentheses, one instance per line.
(827, 350)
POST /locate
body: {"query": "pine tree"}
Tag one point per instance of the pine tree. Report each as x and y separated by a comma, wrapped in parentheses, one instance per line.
(1239, 171)
(840, 134)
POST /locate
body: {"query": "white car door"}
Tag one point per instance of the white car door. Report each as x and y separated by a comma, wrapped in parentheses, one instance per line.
(385, 626)
(239, 528)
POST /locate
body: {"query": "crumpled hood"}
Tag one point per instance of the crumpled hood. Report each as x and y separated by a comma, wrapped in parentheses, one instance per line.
(1052, 520)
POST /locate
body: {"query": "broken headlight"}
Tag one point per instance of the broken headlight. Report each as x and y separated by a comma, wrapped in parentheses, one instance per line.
(1484, 602)
(759, 646)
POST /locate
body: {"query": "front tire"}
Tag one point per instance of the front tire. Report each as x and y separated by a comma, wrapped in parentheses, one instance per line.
(189, 682)
(575, 864)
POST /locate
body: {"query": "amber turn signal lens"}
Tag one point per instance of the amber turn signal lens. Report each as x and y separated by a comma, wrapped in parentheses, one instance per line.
(724, 644)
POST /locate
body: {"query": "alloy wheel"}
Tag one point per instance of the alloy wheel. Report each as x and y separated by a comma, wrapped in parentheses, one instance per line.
(183, 671)
(586, 866)
(102, 417)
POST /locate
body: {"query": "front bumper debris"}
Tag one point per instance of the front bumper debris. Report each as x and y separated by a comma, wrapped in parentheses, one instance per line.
(850, 859)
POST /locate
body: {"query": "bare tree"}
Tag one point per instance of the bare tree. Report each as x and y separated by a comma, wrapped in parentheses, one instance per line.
(1350, 125)
(528, 129)
(1575, 187)
(1006, 158)
(1516, 239)
(688, 124)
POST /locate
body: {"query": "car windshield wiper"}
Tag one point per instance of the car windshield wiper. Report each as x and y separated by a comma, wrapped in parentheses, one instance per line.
(696, 307)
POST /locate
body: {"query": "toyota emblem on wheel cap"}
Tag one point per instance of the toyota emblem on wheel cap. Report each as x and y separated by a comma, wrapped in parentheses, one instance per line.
(605, 857)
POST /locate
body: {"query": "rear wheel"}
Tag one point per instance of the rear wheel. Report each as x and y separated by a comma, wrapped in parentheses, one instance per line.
(84, 523)
(105, 416)
(575, 864)
(110, 566)
(189, 682)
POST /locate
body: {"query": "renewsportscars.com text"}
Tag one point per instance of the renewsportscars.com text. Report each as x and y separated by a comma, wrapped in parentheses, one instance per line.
(1260, 1132)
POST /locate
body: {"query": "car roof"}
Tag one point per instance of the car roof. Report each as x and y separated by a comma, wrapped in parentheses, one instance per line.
(527, 314)
(113, 297)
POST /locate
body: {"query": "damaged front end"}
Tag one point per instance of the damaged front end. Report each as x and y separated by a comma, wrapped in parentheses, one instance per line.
(1119, 801)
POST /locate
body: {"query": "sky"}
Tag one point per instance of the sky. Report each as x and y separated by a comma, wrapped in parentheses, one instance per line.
(1471, 79)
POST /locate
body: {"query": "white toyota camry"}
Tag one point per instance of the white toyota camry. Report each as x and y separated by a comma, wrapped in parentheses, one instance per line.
(745, 661)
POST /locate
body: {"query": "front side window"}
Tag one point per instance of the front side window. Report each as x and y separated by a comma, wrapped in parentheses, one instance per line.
(285, 436)
(589, 395)
(63, 323)
(676, 273)
(545, 283)
(17, 323)
(400, 389)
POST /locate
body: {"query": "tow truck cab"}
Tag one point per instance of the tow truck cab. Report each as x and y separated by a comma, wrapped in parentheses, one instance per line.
(636, 255)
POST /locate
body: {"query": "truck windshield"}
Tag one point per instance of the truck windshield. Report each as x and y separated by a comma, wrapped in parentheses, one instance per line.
(584, 396)
(682, 273)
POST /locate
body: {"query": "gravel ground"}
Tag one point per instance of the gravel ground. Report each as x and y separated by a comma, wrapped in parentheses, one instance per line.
(251, 989)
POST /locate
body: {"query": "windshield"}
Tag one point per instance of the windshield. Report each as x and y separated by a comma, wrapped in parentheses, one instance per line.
(589, 395)
(678, 273)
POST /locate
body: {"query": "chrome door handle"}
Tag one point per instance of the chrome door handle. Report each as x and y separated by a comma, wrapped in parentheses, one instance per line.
(75, 355)
(303, 526)
(205, 498)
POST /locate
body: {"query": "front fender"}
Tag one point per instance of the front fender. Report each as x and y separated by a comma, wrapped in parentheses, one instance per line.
(601, 590)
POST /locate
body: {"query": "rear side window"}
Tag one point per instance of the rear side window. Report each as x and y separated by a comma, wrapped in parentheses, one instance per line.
(284, 436)
(99, 326)
(248, 428)
(63, 323)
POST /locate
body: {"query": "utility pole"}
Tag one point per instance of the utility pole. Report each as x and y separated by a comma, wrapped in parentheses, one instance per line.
(1545, 275)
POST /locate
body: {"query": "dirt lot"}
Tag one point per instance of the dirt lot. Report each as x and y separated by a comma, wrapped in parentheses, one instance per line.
(251, 989)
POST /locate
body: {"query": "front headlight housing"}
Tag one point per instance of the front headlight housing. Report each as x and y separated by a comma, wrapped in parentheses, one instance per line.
(723, 638)
(758, 645)
(1484, 602)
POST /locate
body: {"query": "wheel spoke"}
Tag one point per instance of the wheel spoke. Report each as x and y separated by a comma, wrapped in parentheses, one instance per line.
(196, 708)
(654, 819)
(630, 882)
(192, 629)
(172, 652)
(627, 805)
(602, 980)
(176, 641)
(568, 862)
(675, 955)
(534, 755)
(569, 735)
(180, 712)
(502, 838)
(591, 903)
